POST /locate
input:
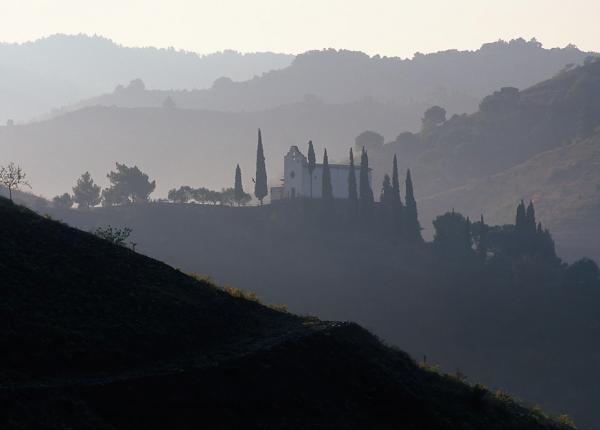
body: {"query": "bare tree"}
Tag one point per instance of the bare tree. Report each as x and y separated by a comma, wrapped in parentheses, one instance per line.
(12, 177)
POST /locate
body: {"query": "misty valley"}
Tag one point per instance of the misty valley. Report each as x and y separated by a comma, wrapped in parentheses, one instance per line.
(327, 240)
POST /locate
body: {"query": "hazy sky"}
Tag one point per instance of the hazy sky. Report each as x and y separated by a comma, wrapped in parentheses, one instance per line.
(388, 27)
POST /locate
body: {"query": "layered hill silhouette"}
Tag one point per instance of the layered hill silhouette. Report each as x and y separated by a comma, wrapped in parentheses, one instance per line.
(509, 323)
(59, 70)
(511, 127)
(97, 336)
(454, 79)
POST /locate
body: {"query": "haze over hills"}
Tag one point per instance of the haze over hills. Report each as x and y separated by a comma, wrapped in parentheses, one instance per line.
(101, 337)
(454, 79)
(200, 148)
(455, 162)
(36, 77)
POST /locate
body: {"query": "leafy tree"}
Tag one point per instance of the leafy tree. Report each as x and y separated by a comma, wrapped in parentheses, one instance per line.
(13, 177)
(352, 191)
(312, 163)
(327, 190)
(387, 193)
(369, 140)
(238, 189)
(365, 191)
(227, 197)
(182, 195)
(117, 236)
(260, 184)
(452, 233)
(433, 117)
(583, 272)
(128, 185)
(413, 228)
(86, 193)
(64, 201)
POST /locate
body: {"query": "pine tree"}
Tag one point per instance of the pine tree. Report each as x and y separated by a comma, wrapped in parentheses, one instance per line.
(413, 228)
(327, 190)
(86, 193)
(366, 193)
(352, 192)
(260, 184)
(312, 163)
(238, 190)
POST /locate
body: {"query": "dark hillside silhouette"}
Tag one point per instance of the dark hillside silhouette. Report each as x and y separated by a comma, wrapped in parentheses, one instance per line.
(104, 337)
(481, 312)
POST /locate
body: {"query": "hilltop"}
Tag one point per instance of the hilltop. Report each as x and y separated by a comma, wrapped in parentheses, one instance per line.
(97, 336)
(454, 79)
(539, 130)
(59, 70)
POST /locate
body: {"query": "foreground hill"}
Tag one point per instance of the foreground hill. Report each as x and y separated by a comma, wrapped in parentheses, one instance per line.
(96, 336)
(455, 79)
(517, 324)
(59, 70)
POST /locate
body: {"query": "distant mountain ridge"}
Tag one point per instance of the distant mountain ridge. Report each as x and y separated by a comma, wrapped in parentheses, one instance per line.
(454, 79)
(36, 77)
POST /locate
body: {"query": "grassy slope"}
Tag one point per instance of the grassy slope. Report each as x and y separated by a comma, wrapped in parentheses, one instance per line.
(95, 336)
(564, 183)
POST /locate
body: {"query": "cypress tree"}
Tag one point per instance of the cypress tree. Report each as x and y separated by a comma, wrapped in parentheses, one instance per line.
(260, 184)
(352, 192)
(530, 219)
(521, 228)
(482, 243)
(366, 193)
(238, 190)
(387, 193)
(520, 219)
(397, 200)
(312, 163)
(396, 184)
(413, 228)
(327, 190)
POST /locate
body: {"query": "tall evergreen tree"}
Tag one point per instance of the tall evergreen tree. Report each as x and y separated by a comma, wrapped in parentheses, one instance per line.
(482, 245)
(530, 219)
(327, 190)
(86, 193)
(312, 163)
(520, 219)
(366, 193)
(352, 192)
(260, 184)
(238, 190)
(413, 228)
(396, 183)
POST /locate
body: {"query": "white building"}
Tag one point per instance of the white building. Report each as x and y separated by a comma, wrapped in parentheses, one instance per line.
(296, 178)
